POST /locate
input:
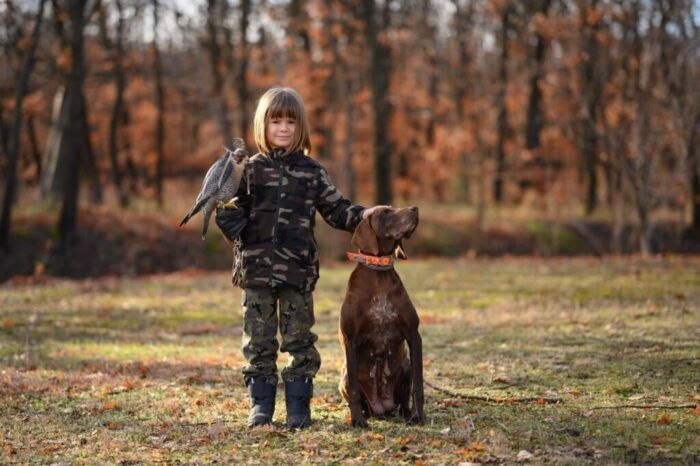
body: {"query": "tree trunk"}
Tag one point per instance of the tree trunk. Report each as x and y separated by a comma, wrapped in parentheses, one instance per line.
(535, 117)
(694, 168)
(4, 143)
(54, 172)
(160, 104)
(432, 60)
(34, 143)
(90, 161)
(502, 109)
(350, 176)
(241, 81)
(218, 95)
(13, 152)
(72, 124)
(588, 146)
(462, 22)
(118, 108)
(590, 98)
(379, 70)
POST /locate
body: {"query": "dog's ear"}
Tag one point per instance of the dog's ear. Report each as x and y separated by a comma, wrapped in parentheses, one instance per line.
(399, 252)
(364, 238)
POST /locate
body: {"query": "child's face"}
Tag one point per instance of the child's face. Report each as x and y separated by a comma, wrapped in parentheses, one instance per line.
(280, 132)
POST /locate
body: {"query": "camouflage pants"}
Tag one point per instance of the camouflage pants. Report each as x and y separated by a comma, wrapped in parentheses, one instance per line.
(260, 322)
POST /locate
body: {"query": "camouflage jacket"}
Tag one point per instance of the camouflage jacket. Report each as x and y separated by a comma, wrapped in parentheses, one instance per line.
(280, 196)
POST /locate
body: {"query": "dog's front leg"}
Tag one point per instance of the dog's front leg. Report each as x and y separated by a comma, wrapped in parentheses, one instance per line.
(415, 346)
(352, 364)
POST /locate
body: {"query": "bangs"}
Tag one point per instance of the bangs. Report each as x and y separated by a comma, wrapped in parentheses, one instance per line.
(284, 105)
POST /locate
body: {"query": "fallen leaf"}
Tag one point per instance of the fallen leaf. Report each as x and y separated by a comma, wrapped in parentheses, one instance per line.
(541, 401)
(7, 324)
(503, 379)
(695, 411)
(9, 449)
(466, 452)
(664, 419)
(476, 446)
(524, 455)
(111, 404)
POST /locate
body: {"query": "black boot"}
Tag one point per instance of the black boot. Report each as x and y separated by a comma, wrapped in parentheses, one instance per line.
(262, 397)
(298, 393)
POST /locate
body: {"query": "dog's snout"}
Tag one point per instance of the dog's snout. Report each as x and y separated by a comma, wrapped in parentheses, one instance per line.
(413, 209)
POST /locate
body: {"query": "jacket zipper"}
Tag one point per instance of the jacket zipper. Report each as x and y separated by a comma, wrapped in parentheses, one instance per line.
(277, 218)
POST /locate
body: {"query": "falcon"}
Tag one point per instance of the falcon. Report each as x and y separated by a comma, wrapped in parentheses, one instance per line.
(220, 183)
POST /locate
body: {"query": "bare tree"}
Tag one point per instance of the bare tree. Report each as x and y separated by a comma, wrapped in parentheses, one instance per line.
(505, 21)
(160, 105)
(590, 89)
(116, 47)
(243, 61)
(376, 29)
(72, 147)
(216, 14)
(13, 146)
(535, 116)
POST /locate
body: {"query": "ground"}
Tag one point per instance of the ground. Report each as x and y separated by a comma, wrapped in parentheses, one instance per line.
(526, 360)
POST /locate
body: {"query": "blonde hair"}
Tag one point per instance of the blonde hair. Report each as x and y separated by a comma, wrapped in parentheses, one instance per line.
(281, 102)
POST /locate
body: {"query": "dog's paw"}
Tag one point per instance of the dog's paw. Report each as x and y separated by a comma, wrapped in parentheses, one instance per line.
(359, 422)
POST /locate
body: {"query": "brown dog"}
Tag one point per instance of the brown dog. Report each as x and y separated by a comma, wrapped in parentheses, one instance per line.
(378, 321)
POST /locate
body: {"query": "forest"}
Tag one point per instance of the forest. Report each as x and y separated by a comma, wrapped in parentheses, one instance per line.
(576, 121)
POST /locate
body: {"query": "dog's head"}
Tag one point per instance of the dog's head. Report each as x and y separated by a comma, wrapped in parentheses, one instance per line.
(382, 232)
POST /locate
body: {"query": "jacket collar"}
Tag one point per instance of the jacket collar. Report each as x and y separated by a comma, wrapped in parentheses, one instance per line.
(276, 155)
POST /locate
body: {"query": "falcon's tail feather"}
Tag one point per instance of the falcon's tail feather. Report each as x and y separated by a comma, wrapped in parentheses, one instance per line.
(205, 227)
(197, 207)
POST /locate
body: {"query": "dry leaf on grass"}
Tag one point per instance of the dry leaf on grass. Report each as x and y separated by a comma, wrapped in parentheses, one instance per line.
(110, 404)
(503, 379)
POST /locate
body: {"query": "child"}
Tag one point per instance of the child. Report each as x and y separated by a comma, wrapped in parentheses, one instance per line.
(280, 192)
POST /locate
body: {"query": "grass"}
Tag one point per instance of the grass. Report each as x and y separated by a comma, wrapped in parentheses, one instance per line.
(146, 370)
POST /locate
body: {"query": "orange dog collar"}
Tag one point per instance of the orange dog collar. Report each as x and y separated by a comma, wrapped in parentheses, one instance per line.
(372, 262)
